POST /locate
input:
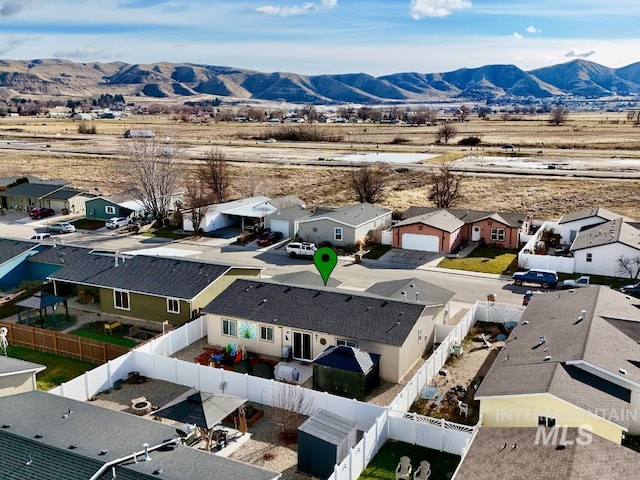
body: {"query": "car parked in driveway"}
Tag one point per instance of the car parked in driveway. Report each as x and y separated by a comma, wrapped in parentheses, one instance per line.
(117, 222)
(631, 289)
(41, 212)
(269, 238)
(40, 236)
(61, 227)
(544, 278)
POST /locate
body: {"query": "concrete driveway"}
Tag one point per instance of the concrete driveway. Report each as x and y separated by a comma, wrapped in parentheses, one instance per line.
(411, 257)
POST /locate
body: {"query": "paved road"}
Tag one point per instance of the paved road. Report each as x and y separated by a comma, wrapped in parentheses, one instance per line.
(468, 287)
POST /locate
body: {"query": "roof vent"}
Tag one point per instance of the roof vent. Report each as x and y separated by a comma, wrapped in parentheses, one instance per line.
(561, 446)
(6, 425)
(623, 371)
(385, 303)
(547, 358)
(38, 435)
(103, 452)
(349, 298)
(317, 294)
(72, 446)
(146, 452)
(542, 340)
(417, 295)
(404, 295)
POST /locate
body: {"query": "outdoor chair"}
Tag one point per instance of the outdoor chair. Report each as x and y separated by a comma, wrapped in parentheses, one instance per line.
(403, 470)
(463, 408)
(423, 472)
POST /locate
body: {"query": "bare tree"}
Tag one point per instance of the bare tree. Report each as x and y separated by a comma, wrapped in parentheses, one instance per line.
(152, 165)
(463, 113)
(368, 182)
(559, 115)
(446, 187)
(292, 405)
(214, 174)
(196, 200)
(445, 133)
(629, 266)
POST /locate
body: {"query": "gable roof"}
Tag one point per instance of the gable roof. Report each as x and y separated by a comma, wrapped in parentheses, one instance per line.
(572, 339)
(470, 216)
(440, 219)
(347, 358)
(414, 289)
(304, 278)
(12, 248)
(248, 207)
(286, 201)
(32, 190)
(328, 426)
(11, 366)
(93, 429)
(350, 215)
(165, 277)
(599, 212)
(65, 193)
(295, 212)
(597, 459)
(348, 315)
(608, 233)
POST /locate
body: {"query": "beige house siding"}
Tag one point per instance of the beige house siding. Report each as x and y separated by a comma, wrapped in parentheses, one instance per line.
(17, 383)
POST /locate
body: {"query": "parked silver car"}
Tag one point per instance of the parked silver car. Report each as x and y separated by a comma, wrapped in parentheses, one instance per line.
(61, 227)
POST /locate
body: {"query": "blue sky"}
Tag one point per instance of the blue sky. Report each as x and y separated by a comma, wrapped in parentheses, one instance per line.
(325, 36)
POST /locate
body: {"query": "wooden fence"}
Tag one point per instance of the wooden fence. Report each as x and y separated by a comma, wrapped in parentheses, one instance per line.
(63, 344)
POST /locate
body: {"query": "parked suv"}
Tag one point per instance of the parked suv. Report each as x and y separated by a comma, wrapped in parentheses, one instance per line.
(116, 222)
(269, 238)
(544, 278)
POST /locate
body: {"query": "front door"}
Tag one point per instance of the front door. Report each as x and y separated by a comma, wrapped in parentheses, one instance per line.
(475, 234)
(302, 346)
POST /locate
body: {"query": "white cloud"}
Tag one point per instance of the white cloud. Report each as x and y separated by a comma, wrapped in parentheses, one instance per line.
(12, 7)
(309, 7)
(531, 29)
(574, 54)
(516, 35)
(11, 44)
(436, 8)
(84, 54)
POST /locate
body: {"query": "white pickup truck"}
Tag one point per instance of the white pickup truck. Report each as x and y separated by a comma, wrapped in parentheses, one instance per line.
(582, 281)
(301, 249)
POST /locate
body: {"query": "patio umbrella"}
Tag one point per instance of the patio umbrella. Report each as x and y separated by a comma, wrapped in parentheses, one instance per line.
(203, 409)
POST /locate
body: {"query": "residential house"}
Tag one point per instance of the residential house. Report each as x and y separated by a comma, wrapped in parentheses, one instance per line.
(103, 208)
(570, 224)
(344, 226)
(247, 213)
(272, 318)
(27, 196)
(568, 454)
(66, 200)
(148, 287)
(574, 360)
(596, 249)
(286, 220)
(12, 256)
(57, 438)
(442, 230)
(17, 376)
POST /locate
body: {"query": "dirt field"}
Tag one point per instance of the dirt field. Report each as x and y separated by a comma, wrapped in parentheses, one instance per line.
(52, 148)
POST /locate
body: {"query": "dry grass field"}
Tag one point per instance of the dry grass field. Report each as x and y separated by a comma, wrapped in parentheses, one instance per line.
(51, 148)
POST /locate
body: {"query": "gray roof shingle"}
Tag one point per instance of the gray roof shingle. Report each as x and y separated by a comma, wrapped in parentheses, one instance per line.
(607, 233)
(9, 365)
(31, 190)
(93, 429)
(351, 215)
(440, 219)
(600, 212)
(349, 315)
(12, 248)
(570, 338)
(470, 216)
(599, 459)
(64, 194)
(167, 277)
(415, 290)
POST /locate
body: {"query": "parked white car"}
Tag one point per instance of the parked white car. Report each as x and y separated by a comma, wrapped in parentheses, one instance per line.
(40, 236)
(117, 222)
(61, 227)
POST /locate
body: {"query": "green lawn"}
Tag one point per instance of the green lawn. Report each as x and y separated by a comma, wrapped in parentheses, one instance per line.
(485, 260)
(384, 464)
(95, 331)
(165, 232)
(59, 369)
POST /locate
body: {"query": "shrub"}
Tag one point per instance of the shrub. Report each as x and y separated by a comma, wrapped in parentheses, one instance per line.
(350, 248)
(87, 128)
(470, 141)
(399, 141)
(301, 133)
(325, 244)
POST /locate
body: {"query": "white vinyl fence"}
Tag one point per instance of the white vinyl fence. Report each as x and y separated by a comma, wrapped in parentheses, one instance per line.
(498, 312)
(378, 423)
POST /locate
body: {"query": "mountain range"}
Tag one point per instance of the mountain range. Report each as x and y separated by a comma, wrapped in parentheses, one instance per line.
(180, 81)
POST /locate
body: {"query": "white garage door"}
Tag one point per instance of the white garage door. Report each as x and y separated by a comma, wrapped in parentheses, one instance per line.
(424, 243)
(281, 226)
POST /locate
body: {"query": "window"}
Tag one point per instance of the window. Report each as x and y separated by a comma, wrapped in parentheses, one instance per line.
(173, 305)
(589, 257)
(337, 233)
(346, 343)
(497, 234)
(419, 335)
(110, 209)
(266, 333)
(228, 327)
(546, 422)
(121, 299)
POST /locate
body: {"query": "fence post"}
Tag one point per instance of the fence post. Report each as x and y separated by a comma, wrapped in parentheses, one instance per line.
(86, 385)
(442, 430)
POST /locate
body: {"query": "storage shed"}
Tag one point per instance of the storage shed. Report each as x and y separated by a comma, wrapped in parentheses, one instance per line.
(346, 371)
(324, 440)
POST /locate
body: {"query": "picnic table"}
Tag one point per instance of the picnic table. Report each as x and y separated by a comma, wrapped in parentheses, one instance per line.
(111, 326)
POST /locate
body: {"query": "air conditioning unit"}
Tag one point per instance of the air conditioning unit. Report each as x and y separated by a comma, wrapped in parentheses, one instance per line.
(286, 373)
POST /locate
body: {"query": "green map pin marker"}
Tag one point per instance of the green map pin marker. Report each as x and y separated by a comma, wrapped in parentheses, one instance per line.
(325, 260)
